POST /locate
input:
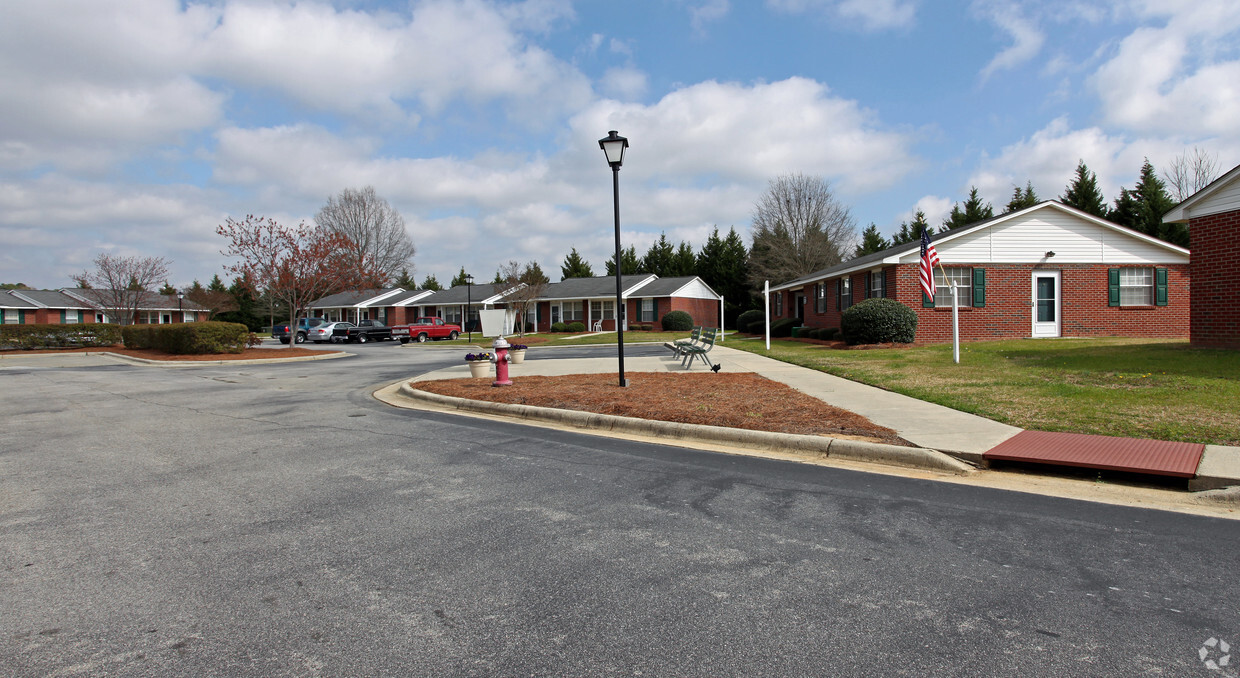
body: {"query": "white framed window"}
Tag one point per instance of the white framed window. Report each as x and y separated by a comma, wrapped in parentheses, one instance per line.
(188, 316)
(820, 298)
(779, 304)
(878, 284)
(602, 310)
(572, 311)
(844, 293)
(648, 311)
(1136, 287)
(11, 316)
(963, 277)
(452, 314)
(71, 316)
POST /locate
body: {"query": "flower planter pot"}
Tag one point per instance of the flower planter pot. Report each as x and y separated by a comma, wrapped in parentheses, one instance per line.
(479, 368)
(516, 357)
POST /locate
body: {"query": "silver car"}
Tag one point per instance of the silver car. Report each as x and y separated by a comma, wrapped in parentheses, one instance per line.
(323, 333)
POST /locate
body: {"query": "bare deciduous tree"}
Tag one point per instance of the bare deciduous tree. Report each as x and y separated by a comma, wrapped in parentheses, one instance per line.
(798, 227)
(381, 247)
(295, 265)
(1190, 172)
(120, 284)
(523, 285)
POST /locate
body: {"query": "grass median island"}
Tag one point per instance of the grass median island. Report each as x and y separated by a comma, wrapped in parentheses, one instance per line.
(744, 400)
(1141, 388)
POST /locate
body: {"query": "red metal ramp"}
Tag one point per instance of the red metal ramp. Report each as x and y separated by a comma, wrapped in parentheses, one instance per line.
(1133, 455)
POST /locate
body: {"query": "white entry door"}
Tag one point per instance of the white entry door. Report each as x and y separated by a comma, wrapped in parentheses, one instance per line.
(1046, 306)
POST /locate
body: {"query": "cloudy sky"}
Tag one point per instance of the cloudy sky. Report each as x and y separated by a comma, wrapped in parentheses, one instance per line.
(138, 126)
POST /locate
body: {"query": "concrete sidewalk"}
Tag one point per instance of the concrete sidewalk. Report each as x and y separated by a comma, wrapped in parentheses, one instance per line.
(926, 425)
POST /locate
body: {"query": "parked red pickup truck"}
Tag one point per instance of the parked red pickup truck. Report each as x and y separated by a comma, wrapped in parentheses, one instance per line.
(422, 329)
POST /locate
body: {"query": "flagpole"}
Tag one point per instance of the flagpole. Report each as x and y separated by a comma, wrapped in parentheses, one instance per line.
(955, 316)
(766, 309)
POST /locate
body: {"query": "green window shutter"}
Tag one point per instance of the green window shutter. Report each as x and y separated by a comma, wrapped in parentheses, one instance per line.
(839, 292)
(1113, 287)
(21, 317)
(1160, 287)
(62, 317)
(926, 302)
(979, 287)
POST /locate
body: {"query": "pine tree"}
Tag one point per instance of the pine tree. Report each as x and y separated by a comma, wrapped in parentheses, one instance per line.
(498, 279)
(911, 232)
(1083, 194)
(460, 278)
(658, 259)
(167, 289)
(430, 283)
(629, 263)
(974, 211)
(723, 264)
(216, 285)
(575, 267)
(1143, 207)
(533, 274)
(684, 262)
(195, 288)
(405, 281)
(871, 241)
(1022, 198)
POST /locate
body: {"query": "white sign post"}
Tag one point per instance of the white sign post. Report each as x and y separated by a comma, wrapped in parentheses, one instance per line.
(766, 310)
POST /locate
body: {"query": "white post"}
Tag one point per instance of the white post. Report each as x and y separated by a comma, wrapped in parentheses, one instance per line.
(721, 318)
(955, 326)
(766, 311)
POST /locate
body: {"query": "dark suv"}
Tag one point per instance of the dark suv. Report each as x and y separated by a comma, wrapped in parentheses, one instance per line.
(281, 331)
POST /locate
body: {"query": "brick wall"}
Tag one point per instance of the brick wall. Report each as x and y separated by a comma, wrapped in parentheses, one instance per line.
(1215, 317)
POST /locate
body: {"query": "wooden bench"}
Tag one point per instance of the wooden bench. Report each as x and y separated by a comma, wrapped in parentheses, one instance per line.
(700, 350)
(679, 344)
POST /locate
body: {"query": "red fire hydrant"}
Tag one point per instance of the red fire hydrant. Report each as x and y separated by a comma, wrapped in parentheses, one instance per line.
(501, 363)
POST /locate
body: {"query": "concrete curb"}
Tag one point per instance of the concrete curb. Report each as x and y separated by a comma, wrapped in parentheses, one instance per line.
(191, 363)
(819, 446)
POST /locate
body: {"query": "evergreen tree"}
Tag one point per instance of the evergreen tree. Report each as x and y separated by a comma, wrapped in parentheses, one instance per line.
(658, 259)
(459, 279)
(911, 231)
(1143, 207)
(629, 262)
(723, 264)
(216, 285)
(575, 267)
(196, 288)
(405, 281)
(1083, 194)
(871, 241)
(430, 283)
(533, 274)
(974, 211)
(684, 262)
(167, 289)
(1022, 198)
(499, 278)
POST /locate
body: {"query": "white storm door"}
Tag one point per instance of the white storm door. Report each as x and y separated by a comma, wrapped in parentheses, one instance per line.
(1046, 304)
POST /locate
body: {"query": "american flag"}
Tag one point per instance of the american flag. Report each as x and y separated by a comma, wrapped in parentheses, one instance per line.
(929, 258)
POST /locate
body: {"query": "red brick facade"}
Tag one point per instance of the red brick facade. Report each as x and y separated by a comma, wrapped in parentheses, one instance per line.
(1008, 312)
(705, 312)
(1216, 291)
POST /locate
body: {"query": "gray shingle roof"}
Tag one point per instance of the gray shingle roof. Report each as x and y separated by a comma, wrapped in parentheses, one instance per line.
(150, 301)
(349, 298)
(665, 287)
(52, 299)
(593, 288)
(7, 300)
(477, 294)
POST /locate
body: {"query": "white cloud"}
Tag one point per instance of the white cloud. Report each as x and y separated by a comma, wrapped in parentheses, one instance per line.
(703, 12)
(625, 83)
(1178, 76)
(870, 15)
(1026, 38)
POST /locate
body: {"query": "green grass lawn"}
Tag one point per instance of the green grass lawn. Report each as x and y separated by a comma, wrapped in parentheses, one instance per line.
(1119, 387)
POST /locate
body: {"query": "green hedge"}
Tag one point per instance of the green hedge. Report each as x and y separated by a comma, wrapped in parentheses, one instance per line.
(59, 336)
(188, 338)
(878, 321)
(677, 321)
(559, 327)
(575, 326)
(746, 321)
(783, 327)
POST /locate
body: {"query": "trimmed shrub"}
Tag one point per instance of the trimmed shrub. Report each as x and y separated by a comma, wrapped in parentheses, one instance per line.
(783, 327)
(677, 321)
(748, 318)
(828, 333)
(812, 333)
(559, 327)
(575, 326)
(46, 335)
(878, 321)
(188, 338)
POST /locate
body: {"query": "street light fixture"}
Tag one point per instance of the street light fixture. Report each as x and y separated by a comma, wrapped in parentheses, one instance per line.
(469, 300)
(613, 147)
(180, 310)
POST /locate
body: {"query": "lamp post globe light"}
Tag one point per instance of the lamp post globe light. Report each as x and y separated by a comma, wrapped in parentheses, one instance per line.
(613, 147)
(469, 289)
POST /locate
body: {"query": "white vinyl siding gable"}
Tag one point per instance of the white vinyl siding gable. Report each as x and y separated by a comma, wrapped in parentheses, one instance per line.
(1027, 239)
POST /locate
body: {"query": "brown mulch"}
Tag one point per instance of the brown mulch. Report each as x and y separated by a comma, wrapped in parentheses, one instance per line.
(743, 400)
(248, 354)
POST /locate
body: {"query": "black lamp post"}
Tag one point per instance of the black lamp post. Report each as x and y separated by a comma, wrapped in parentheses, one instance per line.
(469, 300)
(179, 308)
(613, 146)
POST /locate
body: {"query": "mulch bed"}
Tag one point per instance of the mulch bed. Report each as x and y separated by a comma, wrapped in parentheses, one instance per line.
(248, 354)
(741, 400)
